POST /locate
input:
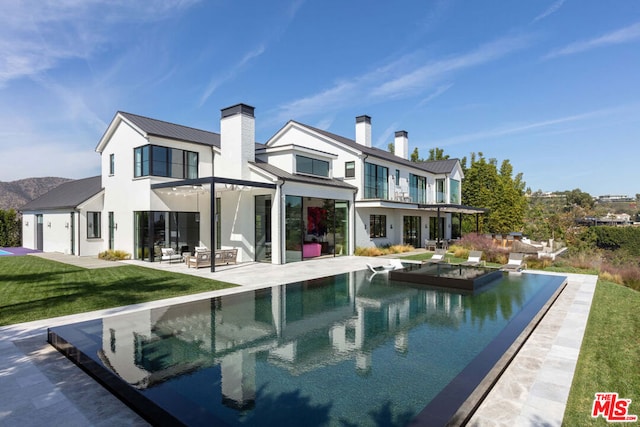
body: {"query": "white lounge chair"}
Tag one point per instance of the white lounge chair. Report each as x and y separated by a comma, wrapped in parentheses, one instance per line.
(474, 259)
(515, 264)
(380, 269)
(437, 257)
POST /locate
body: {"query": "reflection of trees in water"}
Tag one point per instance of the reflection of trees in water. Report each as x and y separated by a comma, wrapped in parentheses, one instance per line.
(503, 301)
(384, 416)
(286, 409)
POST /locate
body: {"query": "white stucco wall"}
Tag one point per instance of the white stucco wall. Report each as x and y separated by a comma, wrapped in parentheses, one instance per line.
(125, 194)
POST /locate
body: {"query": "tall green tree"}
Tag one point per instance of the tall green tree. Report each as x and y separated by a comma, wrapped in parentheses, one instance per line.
(437, 154)
(498, 190)
(10, 228)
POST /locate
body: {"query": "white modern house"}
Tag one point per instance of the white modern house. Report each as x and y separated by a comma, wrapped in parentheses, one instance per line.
(304, 193)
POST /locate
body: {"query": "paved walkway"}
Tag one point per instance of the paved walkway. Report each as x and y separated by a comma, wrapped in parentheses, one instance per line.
(40, 386)
(90, 262)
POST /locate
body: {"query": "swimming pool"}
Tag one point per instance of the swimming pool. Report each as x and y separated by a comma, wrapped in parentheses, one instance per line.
(342, 350)
(2, 252)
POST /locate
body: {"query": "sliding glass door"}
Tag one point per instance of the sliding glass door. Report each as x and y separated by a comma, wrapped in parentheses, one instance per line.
(263, 228)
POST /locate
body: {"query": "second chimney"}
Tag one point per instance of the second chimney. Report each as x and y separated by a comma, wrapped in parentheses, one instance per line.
(401, 144)
(363, 130)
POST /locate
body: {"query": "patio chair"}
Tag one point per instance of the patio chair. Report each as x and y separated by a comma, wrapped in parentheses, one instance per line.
(515, 264)
(169, 254)
(474, 259)
(200, 259)
(430, 245)
(437, 257)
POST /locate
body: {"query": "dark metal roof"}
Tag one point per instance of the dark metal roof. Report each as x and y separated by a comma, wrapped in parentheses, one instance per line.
(66, 196)
(286, 176)
(435, 166)
(172, 130)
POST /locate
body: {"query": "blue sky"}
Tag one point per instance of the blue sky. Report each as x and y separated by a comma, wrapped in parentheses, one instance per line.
(551, 85)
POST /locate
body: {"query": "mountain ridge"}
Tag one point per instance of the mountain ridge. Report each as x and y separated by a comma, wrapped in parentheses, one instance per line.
(15, 194)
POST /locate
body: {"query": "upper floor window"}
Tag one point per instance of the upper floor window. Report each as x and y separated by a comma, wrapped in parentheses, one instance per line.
(312, 166)
(349, 169)
(397, 176)
(93, 225)
(375, 181)
(454, 191)
(164, 161)
(441, 197)
(418, 188)
(112, 164)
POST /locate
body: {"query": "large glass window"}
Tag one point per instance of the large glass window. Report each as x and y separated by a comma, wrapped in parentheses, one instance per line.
(293, 228)
(377, 226)
(93, 225)
(141, 160)
(163, 161)
(263, 228)
(375, 181)
(454, 191)
(441, 197)
(157, 230)
(312, 166)
(418, 188)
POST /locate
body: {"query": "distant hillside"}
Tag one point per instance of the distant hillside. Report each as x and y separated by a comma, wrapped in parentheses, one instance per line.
(15, 194)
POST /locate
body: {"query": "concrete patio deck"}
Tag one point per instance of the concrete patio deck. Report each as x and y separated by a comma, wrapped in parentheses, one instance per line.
(40, 386)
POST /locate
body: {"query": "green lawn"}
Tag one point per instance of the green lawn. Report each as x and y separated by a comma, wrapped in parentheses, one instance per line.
(33, 288)
(610, 354)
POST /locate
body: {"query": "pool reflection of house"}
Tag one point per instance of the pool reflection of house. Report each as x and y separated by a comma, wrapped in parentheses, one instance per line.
(298, 327)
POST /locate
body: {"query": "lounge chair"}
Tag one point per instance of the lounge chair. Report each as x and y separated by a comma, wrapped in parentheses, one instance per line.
(515, 264)
(474, 259)
(380, 269)
(437, 257)
(396, 263)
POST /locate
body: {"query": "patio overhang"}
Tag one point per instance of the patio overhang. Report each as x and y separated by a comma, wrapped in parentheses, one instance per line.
(215, 184)
(451, 208)
(440, 207)
(212, 180)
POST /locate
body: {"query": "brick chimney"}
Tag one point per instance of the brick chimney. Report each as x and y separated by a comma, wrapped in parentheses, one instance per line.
(237, 141)
(401, 144)
(363, 130)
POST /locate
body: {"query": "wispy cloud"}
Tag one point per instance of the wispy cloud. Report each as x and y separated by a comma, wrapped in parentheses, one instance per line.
(550, 10)
(512, 129)
(36, 35)
(439, 91)
(230, 73)
(623, 35)
(401, 78)
(429, 73)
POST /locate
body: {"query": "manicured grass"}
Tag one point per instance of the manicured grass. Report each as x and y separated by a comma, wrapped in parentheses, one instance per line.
(33, 288)
(610, 354)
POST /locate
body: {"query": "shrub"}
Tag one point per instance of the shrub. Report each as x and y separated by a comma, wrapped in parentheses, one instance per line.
(114, 255)
(459, 251)
(535, 263)
(376, 251)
